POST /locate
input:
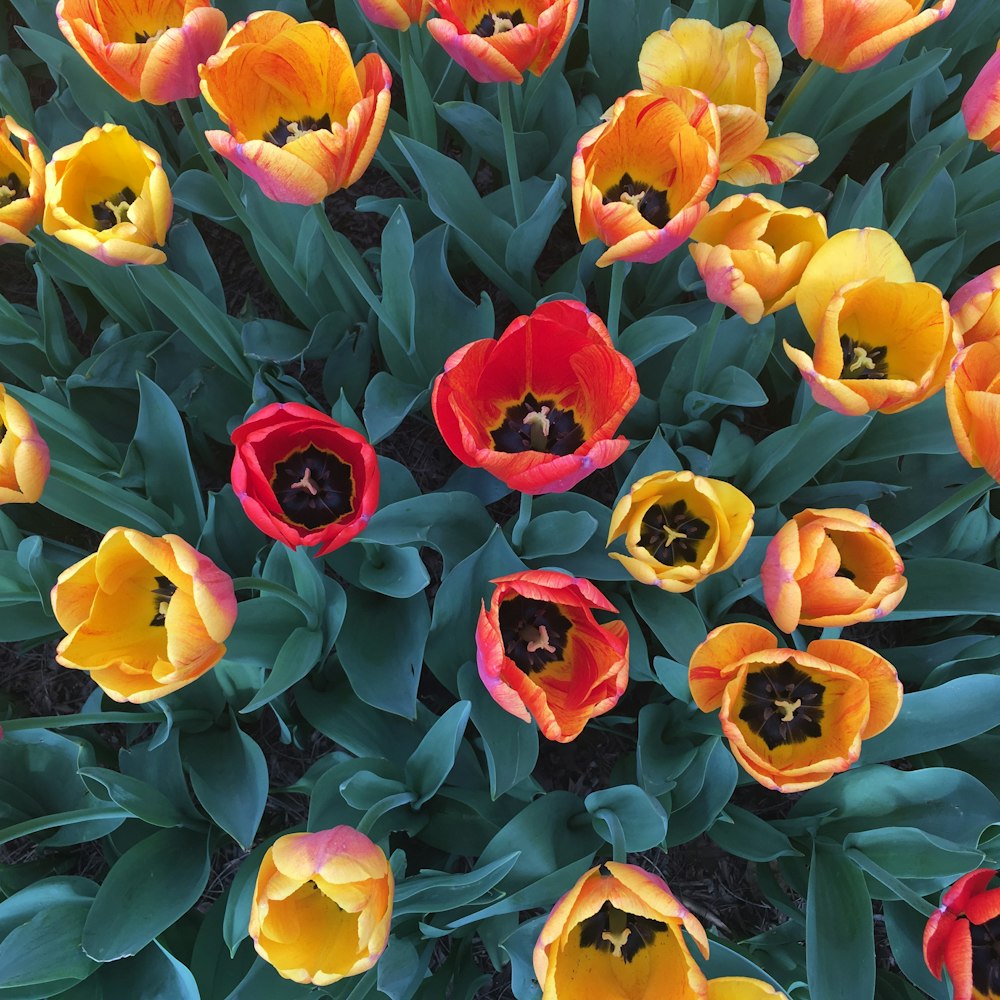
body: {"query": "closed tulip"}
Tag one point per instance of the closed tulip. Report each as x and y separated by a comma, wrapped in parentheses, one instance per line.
(981, 104)
(24, 455)
(22, 183)
(972, 392)
(975, 309)
(397, 14)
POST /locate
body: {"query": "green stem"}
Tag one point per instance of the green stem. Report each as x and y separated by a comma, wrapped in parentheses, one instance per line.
(88, 719)
(707, 343)
(270, 587)
(918, 193)
(969, 493)
(422, 127)
(395, 175)
(521, 524)
(619, 271)
(506, 120)
(614, 825)
(796, 93)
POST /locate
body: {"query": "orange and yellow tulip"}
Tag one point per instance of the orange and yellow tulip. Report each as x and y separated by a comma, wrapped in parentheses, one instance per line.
(303, 120)
(641, 178)
(972, 391)
(397, 14)
(22, 183)
(740, 988)
(322, 905)
(679, 528)
(618, 933)
(735, 67)
(882, 340)
(148, 50)
(981, 104)
(752, 252)
(831, 567)
(108, 196)
(501, 44)
(144, 615)
(793, 718)
(24, 456)
(975, 309)
(848, 35)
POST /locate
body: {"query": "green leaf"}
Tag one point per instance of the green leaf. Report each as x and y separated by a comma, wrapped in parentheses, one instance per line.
(387, 402)
(140, 799)
(433, 892)
(675, 620)
(149, 888)
(529, 239)
(482, 130)
(395, 572)
(262, 982)
(235, 924)
(434, 758)
(299, 653)
(646, 337)
(701, 812)
(642, 818)
(153, 974)
(905, 930)
(557, 533)
(909, 853)
(731, 387)
(939, 588)
(748, 836)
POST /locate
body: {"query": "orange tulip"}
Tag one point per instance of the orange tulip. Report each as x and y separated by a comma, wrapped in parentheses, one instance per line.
(397, 14)
(108, 196)
(981, 104)
(22, 183)
(793, 719)
(148, 50)
(975, 309)
(831, 567)
(24, 456)
(641, 178)
(972, 391)
(882, 340)
(735, 67)
(144, 615)
(740, 988)
(848, 35)
(752, 252)
(497, 45)
(303, 120)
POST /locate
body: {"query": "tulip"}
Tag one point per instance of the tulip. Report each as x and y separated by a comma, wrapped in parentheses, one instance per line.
(322, 905)
(539, 407)
(679, 528)
(981, 104)
(22, 183)
(397, 14)
(739, 988)
(542, 655)
(735, 67)
(831, 568)
(108, 196)
(24, 456)
(882, 340)
(848, 35)
(793, 718)
(144, 615)
(972, 392)
(641, 178)
(752, 252)
(618, 933)
(148, 50)
(500, 45)
(303, 120)
(303, 478)
(975, 309)
(961, 937)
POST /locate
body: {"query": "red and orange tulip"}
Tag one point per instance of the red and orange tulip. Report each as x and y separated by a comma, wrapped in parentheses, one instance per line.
(497, 44)
(539, 407)
(981, 104)
(22, 183)
(303, 120)
(108, 196)
(148, 50)
(831, 567)
(680, 528)
(975, 309)
(397, 14)
(618, 933)
(752, 253)
(303, 478)
(144, 615)
(542, 655)
(961, 937)
(972, 391)
(848, 35)
(882, 340)
(735, 67)
(24, 456)
(641, 178)
(322, 905)
(793, 719)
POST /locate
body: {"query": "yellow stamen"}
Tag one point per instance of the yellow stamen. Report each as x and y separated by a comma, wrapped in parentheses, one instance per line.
(670, 535)
(306, 483)
(541, 419)
(541, 641)
(501, 24)
(162, 608)
(635, 200)
(789, 708)
(296, 131)
(861, 360)
(120, 211)
(617, 941)
(7, 195)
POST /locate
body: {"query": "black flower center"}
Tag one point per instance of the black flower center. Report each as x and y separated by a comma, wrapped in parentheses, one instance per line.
(114, 209)
(499, 22)
(313, 487)
(861, 360)
(651, 203)
(11, 188)
(534, 633)
(671, 534)
(538, 426)
(145, 36)
(782, 705)
(162, 593)
(623, 934)
(286, 130)
(986, 957)
(845, 573)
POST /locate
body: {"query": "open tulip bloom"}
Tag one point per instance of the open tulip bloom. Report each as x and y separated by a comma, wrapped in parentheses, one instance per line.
(981, 104)
(22, 183)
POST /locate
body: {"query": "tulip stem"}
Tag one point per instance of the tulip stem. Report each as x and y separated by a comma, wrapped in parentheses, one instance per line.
(968, 494)
(919, 192)
(97, 719)
(617, 833)
(513, 175)
(619, 272)
(796, 93)
(419, 117)
(521, 524)
(707, 343)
